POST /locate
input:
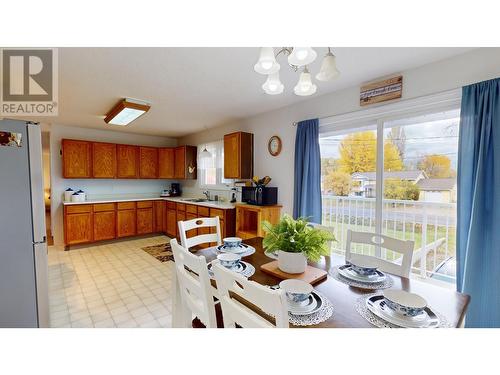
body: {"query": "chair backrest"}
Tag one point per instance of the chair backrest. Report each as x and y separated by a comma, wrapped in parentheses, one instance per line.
(271, 302)
(403, 247)
(202, 222)
(194, 283)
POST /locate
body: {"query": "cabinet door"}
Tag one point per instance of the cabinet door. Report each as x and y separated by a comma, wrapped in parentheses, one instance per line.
(232, 155)
(78, 228)
(104, 225)
(128, 161)
(126, 223)
(166, 163)
(103, 160)
(159, 213)
(181, 216)
(180, 162)
(171, 223)
(144, 220)
(148, 166)
(77, 156)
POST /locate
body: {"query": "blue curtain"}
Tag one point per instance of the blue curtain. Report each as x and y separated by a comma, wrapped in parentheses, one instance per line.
(478, 227)
(307, 182)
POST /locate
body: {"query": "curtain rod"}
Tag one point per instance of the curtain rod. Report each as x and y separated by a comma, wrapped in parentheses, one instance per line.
(295, 123)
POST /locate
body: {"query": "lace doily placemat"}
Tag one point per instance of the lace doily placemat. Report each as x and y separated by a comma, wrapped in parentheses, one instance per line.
(387, 283)
(322, 315)
(363, 310)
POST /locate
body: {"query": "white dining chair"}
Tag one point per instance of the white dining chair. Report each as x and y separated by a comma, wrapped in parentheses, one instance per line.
(403, 247)
(234, 312)
(193, 291)
(202, 222)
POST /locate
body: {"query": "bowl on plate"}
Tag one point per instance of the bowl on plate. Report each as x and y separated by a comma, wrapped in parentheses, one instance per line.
(363, 266)
(229, 260)
(232, 242)
(296, 291)
(404, 303)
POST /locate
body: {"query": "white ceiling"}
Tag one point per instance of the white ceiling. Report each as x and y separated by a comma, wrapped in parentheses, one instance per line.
(195, 88)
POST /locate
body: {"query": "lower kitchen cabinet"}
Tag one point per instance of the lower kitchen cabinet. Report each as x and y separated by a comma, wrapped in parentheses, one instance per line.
(159, 216)
(78, 226)
(171, 229)
(144, 220)
(126, 223)
(104, 225)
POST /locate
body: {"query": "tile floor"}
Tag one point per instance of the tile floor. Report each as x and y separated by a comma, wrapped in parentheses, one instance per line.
(110, 285)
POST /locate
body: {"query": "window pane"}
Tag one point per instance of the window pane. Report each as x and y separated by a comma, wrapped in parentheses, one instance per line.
(420, 164)
(348, 165)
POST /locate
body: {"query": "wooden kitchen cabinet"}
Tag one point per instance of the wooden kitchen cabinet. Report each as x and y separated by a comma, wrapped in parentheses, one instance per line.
(166, 162)
(159, 216)
(238, 155)
(249, 219)
(127, 161)
(185, 163)
(104, 221)
(145, 220)
(103, 160)
(171, 226)
(148, 162)
(78, 224)
(126, 220)
(77, 158)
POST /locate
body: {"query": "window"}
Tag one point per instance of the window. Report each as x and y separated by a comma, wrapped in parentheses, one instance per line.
(396, 177)
(211, 169)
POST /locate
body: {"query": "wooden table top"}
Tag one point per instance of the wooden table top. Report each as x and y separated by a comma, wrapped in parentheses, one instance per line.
(343, 297)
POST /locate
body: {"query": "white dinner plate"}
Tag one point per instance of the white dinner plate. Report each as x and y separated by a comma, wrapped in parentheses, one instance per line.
(377, 305)
(348, 273)
(312, 305)
(243, 268)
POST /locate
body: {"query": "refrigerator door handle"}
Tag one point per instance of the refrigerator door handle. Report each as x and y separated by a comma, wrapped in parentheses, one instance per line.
(44, 240)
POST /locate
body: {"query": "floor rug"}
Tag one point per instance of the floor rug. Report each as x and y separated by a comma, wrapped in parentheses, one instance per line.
(162, 252)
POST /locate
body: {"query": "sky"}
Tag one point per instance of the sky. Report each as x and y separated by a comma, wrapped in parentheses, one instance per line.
(431, 134)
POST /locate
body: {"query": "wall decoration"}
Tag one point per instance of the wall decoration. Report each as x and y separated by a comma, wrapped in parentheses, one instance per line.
(274, 145)
(381, 91)
(10, 139)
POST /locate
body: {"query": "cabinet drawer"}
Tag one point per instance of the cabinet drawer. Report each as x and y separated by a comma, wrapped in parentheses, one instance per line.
(79, 208)
(181, 207)
(126, 205)
(217, 212)
(203, 211)
(104, 207)
(171, 205)
(191, 209)
(144, 204)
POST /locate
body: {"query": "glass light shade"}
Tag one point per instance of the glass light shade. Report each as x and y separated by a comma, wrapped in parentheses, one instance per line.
(305, 86)
(328, 69)
(205, 153)
(267, 62)
(301, 56)
(273, 85)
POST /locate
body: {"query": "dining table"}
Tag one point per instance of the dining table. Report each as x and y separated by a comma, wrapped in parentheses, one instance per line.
(451, 304)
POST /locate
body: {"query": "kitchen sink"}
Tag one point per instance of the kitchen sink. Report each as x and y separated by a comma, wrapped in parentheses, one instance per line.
(197, 200)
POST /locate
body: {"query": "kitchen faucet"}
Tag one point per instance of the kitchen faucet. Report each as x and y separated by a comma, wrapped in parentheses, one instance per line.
(207, 194)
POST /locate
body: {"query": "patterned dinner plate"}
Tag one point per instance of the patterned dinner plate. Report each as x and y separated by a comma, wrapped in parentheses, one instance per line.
(242, 250)
(347, 272)
(312, 305)
(243, 268)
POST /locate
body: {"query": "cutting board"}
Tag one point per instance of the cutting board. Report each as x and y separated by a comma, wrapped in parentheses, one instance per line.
(312, 275)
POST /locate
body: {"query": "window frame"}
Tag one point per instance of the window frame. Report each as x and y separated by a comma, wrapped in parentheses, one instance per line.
(221, 182)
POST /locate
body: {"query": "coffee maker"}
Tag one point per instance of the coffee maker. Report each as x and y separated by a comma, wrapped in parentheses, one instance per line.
(175, 189)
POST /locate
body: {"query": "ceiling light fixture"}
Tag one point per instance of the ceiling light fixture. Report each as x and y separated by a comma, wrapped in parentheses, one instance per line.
(205, 153)
(126, 111)
(297, 57)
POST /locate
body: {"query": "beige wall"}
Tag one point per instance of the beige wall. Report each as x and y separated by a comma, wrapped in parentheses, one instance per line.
(474, 66)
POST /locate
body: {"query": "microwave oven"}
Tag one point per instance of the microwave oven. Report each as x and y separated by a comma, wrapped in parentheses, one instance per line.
(259, 195)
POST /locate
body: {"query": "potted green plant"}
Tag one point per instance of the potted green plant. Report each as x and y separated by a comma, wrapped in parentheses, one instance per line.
(293, 242)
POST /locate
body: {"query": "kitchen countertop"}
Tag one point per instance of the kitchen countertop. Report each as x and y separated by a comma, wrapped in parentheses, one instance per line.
(221, 205)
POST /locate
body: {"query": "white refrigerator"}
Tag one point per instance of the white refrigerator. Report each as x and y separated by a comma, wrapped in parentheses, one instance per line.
(24, 300)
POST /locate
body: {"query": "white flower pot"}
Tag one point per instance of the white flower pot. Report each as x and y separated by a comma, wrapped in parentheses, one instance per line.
(291, 262)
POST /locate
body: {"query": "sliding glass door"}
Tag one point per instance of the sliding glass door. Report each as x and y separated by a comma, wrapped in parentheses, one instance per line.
(396, 177)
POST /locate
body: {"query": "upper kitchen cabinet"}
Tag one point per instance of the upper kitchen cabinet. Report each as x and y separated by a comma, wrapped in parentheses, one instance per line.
(238, 155)
(127, 161)
(185, 163)
(166, 162)
(148, 166)
(103, 160)
(77, 158)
